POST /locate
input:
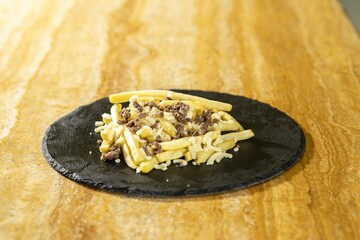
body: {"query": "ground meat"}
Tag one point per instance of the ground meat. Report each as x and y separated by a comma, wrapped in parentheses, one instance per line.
(180, 131)
(179, 111)
(150, 104)
(179, 117)
(205, 117)
(158, 148)
(137, 106)
(156, 124)
(158, 139)
(125, 113)
(192, 132)
(142, 115)
(114, 153)
(134, 125)
(180, 107)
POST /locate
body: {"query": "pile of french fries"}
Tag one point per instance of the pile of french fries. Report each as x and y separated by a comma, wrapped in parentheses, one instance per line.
(206, 148)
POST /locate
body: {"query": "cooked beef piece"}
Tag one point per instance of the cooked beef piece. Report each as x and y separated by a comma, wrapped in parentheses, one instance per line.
(180, 131)
(114, 153)
(137, 106)
(125, 113)
(158, 148)
(134, 125)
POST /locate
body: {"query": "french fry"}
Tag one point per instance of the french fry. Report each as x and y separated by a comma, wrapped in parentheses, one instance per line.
(238, 136)
(228, 123)
(188, 156)
(108, 134)
(105, 146)
(125, 96)
(134, 147)
(210, 104)
(203, 156)
(115, 112)
(147, 166)
(175, 144)
(168, 127)
(127, 156)
(226, 145)
(149, 99)
(145, 131)
(170, 155)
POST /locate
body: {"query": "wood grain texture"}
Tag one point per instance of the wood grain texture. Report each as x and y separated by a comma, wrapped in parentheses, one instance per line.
(302, 57)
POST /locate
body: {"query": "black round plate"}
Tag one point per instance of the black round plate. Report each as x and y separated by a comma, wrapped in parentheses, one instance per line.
(278, 144)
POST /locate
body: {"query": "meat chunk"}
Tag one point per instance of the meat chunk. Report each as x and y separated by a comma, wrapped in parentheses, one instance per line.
(114, 153)
(134, 125)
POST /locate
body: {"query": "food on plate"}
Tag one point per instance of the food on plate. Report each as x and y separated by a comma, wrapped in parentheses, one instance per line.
(161, 127)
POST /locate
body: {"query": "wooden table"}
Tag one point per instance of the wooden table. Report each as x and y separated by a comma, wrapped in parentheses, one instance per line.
(302, 57)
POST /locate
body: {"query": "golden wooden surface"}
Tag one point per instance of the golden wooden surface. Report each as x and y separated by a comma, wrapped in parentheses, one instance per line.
(302, 57)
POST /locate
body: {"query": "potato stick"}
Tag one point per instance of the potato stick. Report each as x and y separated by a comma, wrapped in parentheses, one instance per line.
(170, 155)
(199, 100)
(209, 136)
(165, 137)
(187, 156)
(228, 126)
(115, 112)
(104, 147)
(203, 156)
(106, 118)
(145, 131)
(150, 138)
(134, 146)
(143, 121)
(150, 120)
(140, 140)
(229, 122)
(149, 99)
(125, 96)
(108, 134)
(192, 152)
(127, 156)
(175, 144)
(121, 139)
(134, 115)
(226, 145)
(238, 136)
(118, 132)
(168, 127)
(147, 166)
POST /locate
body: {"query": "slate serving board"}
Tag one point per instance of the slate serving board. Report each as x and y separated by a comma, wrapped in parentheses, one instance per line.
(278, 144)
